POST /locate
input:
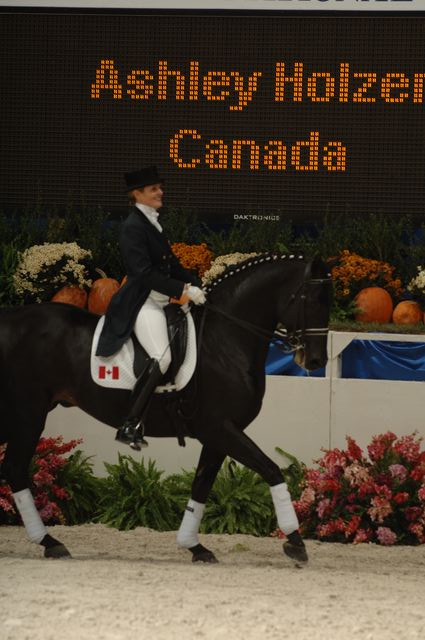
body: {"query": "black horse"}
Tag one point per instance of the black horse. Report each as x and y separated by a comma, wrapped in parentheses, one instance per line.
(45, 360)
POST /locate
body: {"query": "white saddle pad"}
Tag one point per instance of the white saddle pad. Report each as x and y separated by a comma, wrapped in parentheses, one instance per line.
(116, 372)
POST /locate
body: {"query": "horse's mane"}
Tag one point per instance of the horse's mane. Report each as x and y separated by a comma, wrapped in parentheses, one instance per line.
(231, 270)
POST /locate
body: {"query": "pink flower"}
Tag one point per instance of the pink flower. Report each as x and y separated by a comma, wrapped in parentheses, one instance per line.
(380, 509)
(421, 493)
(352, 526)
(330, 528)
(334, 461)
(401, 497)
(356, 474)
(398, 471)
(366, 488)
(6, 506)
(418, 530)
(303, 505)
(362, 536)
(418, 472)
(383, 491)
(386, 536)
(50, 512)
(60, 493)
(313, 476)
(408, 448)
(329, 484)
(308, 496)
(43, 478)
(353, 450)
(323, 508)
(379, 445)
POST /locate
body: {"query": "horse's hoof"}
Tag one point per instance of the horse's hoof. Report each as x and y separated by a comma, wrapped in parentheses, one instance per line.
(58, 551)
(53, 548)
(295, 549)
(201, 554)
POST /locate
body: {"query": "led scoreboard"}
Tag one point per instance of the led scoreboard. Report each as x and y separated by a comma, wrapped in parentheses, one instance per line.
(270, 113)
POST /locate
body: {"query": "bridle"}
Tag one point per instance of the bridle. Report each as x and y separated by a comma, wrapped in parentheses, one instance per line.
(286, 341)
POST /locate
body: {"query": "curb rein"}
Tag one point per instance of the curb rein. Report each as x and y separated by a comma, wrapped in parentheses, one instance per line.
(288, 342)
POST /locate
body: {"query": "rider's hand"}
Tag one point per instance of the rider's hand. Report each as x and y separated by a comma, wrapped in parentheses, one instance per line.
(196, 295)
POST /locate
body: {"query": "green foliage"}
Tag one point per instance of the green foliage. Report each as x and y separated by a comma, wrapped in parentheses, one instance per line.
(92, 229)
(182, 225)
(83, 488)
(24, 229)
(342, 313)
(8, 263)
(376, 236)
(294, 473)
(261, 236)
(239, 502)
(178, 487)
(134, 496)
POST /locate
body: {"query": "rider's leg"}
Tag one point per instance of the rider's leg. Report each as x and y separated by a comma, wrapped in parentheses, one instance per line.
(151, 331)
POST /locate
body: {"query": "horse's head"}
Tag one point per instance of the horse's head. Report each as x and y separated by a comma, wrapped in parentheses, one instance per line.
(306, 316)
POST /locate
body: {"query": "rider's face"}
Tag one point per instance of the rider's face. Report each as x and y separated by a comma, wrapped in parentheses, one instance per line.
(150, 195)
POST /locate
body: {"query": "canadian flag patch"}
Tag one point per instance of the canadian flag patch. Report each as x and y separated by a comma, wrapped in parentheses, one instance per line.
(109, 372)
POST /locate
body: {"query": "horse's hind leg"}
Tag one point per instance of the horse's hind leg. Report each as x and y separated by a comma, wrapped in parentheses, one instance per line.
(209, 465)
(19, 452)
(233, 442)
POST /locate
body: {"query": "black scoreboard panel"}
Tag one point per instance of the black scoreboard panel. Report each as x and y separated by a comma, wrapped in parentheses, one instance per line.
(280, 114)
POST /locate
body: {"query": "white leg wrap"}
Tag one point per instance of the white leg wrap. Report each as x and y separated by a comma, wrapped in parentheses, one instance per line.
(187, 535)
(285, 512)
(30, 516)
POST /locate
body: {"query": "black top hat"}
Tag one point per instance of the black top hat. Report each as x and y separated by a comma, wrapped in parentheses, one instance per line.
(142, 178)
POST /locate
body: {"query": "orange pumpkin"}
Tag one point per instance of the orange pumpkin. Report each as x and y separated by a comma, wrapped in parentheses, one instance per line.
(407, 312)
(71, 294)
(101, 293)
(374, 305)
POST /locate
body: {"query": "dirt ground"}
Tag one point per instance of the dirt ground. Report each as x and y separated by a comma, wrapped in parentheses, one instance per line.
(137, 584)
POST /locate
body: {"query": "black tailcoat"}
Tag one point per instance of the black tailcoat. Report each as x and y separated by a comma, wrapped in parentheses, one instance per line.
(150, 265)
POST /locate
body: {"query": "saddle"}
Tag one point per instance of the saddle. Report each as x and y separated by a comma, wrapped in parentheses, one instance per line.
(122, 369)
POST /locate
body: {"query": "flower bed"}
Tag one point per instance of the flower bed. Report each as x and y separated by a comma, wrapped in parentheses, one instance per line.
(43, 269)
(350, 498)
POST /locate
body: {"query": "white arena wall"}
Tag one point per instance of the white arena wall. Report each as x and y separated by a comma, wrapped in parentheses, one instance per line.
(300, 415)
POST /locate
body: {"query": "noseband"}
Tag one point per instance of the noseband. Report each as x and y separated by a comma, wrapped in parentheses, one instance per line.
(295, 339)
(287, 341)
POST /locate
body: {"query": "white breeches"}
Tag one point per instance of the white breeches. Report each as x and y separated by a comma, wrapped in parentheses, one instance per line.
(151, 329)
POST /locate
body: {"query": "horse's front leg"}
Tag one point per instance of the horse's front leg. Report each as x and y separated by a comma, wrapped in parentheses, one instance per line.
(231, 441)
(209, 465)
(15, 467)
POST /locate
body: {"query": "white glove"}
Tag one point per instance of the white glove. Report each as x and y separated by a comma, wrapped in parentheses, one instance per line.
(196, 294)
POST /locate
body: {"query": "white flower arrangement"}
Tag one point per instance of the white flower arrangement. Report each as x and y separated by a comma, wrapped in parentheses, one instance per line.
(417, 284)
(43, 269)
(221, 263)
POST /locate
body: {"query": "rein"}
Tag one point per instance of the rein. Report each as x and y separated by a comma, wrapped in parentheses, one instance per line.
(295, 339)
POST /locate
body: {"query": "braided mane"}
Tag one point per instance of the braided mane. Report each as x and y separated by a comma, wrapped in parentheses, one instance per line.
(233, 269)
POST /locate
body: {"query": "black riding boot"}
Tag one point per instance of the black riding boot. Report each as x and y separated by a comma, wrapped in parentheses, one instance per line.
(132, 430)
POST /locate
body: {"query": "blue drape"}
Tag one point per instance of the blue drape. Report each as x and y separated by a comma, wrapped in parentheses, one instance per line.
(384, 360)
(363, 359)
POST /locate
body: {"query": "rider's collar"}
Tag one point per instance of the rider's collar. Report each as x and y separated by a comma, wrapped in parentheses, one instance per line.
(150, 213)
